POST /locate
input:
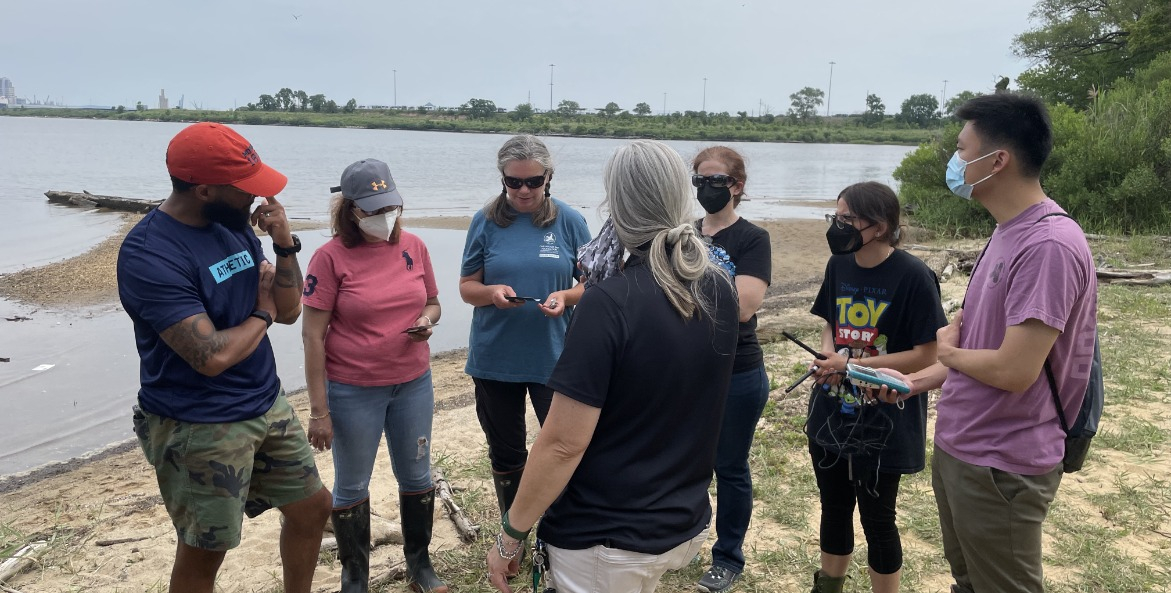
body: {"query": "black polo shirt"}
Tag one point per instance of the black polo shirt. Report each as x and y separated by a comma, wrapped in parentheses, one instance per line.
(661, 382)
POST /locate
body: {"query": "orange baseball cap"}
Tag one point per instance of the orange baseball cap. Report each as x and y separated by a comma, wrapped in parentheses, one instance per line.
(214, 154)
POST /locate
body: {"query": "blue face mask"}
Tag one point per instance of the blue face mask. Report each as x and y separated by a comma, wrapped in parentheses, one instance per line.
(956, 180)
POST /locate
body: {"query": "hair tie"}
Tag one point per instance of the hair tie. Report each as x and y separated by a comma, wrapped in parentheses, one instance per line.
(676, 233)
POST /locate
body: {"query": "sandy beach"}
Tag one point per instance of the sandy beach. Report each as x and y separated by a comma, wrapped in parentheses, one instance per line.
(81, 506)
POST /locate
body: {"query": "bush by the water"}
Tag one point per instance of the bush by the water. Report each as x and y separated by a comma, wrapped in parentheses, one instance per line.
(1110, 167)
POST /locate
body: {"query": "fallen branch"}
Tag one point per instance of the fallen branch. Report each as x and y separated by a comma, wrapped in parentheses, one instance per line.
(22, 559)
(396, 572)
(467, 530)
(88, 200)
(8, 589)
(124, 540)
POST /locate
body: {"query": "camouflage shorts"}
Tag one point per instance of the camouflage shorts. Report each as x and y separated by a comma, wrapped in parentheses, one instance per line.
(211, 475)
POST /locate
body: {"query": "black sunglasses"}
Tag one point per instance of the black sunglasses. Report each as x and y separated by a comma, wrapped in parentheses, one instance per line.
(532, 182)
(719, 180)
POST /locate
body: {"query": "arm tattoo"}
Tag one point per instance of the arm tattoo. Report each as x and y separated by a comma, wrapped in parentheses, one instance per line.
(289, 276)
(195, 339)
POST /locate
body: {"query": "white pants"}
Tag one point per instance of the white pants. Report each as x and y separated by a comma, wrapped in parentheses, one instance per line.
(600, 569)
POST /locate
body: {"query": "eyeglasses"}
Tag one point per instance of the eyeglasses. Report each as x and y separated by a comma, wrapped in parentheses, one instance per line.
(719, 180)
(841, 220)
(532, 182)
(384, 210)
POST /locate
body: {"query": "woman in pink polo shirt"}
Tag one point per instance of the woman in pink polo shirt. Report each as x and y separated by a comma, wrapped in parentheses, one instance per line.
(369, 302)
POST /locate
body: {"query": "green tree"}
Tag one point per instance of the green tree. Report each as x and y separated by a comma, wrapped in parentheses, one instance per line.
(351, 105)
(805, 103)
(303, 98)
(330, 106)
(1081, 45)
(568, 108)
(268, 103)
(140, 106)
(642, 109)
(121, 109)
(479, 108)
(919, 110)
(959, 99)
(523, 112)
(875, 111)
(284, 98)
(317, 102)
(610, 109)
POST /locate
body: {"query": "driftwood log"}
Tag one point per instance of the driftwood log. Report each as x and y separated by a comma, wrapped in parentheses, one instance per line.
(467, 530)
(22, 559)
(88, 200)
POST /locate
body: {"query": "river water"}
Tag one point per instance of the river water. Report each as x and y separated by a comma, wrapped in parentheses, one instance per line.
(72, 372)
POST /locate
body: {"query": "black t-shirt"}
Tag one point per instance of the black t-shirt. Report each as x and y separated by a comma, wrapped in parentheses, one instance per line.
(661, 382)
(751, 252)
(889, 308)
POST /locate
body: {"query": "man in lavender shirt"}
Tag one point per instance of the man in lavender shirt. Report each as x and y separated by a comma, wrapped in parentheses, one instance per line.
(996, 464)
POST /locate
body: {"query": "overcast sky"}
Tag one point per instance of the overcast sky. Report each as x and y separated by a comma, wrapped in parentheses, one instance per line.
(220, 53)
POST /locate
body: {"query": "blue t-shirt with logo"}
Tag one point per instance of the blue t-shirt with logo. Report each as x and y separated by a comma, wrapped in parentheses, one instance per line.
(521, 345)
(169, 271)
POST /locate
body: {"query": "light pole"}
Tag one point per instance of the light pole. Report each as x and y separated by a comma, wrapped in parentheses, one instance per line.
(705, 94)
(664, 103)
(551, 87)
(830, 94)
(942, 97)
(395, 88)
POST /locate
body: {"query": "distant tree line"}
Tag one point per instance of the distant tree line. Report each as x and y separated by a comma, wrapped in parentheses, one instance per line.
(287, 99)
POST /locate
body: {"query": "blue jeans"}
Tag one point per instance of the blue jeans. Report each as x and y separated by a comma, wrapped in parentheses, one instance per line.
(361, 415)
(747, 394)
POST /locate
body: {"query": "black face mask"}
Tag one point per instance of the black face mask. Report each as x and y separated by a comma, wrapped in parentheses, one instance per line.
(232, 218)
(713, 199)
(843, 241)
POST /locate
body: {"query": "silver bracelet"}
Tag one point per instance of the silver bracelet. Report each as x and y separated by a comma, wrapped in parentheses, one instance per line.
(508, 555)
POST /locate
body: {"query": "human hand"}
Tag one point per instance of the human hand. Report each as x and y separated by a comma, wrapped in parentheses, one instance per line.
(886, 394)
(829, 369)
(264, 298)
(554, 305)
(500, 291)
(270, 217)
(948, 337)
(500, 569)
(421, 335)
(321, 432)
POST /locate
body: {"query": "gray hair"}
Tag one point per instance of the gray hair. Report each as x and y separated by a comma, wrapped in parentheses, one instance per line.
(524, 147)
(648, 194)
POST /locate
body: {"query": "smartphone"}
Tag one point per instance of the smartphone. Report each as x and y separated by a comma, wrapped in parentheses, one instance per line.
(418, 328)
(864, 376)
(519, 299)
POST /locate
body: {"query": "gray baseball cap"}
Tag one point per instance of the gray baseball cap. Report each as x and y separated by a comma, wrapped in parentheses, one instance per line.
(369, 184)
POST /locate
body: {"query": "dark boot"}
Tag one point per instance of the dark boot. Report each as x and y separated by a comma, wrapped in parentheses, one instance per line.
(417, 512)
(823, 583)
(507, 484)
(351, 527)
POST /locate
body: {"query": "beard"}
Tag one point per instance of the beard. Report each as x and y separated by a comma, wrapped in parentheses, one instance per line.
(233, 219)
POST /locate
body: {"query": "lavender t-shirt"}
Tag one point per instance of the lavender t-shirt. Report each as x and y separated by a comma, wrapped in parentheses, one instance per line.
(1034, 268)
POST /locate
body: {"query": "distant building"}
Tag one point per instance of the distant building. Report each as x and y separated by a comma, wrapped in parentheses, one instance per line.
(7, 90)
(163, 102)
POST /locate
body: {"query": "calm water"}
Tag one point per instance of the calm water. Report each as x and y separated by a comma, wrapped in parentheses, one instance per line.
(73, 373)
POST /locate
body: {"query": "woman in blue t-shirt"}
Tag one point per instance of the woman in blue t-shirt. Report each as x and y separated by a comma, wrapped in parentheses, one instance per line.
(519, 272)
(881, 308)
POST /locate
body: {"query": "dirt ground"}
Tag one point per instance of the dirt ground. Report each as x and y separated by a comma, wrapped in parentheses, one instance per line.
(83, 505)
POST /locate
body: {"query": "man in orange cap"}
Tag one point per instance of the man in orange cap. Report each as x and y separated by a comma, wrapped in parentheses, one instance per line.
(211, 416)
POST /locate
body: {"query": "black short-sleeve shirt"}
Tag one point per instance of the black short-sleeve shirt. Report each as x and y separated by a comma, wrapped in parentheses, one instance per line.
(661, 382)
(889, 308)
(751, 252)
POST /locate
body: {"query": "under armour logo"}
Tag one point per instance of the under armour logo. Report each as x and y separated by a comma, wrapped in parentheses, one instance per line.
(380, 184)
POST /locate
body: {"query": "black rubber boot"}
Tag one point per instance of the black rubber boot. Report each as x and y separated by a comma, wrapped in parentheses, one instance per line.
(506, 486)
(417, 512)
(823, 583)
(351, 527)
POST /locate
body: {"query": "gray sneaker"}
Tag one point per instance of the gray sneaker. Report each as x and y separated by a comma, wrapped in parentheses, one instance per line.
(717, 580)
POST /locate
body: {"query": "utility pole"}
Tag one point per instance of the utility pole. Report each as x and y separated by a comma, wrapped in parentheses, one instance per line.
(705, 94)
(830, 94)
(551, 87)
(942, 97)
(395, 88)
(664, 103)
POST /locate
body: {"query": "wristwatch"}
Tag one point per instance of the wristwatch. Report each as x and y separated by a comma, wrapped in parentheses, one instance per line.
(287, 251)
(261, 314)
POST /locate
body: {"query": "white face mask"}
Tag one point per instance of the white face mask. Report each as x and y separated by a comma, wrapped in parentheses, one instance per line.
(379, 225)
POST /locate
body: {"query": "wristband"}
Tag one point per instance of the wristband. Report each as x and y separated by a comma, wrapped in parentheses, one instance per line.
(321, 417)
(429, 322)
(511, 531)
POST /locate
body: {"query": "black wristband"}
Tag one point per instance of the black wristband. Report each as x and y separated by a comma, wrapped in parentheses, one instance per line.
(287, 251)
(263, 315)
(510, 530)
